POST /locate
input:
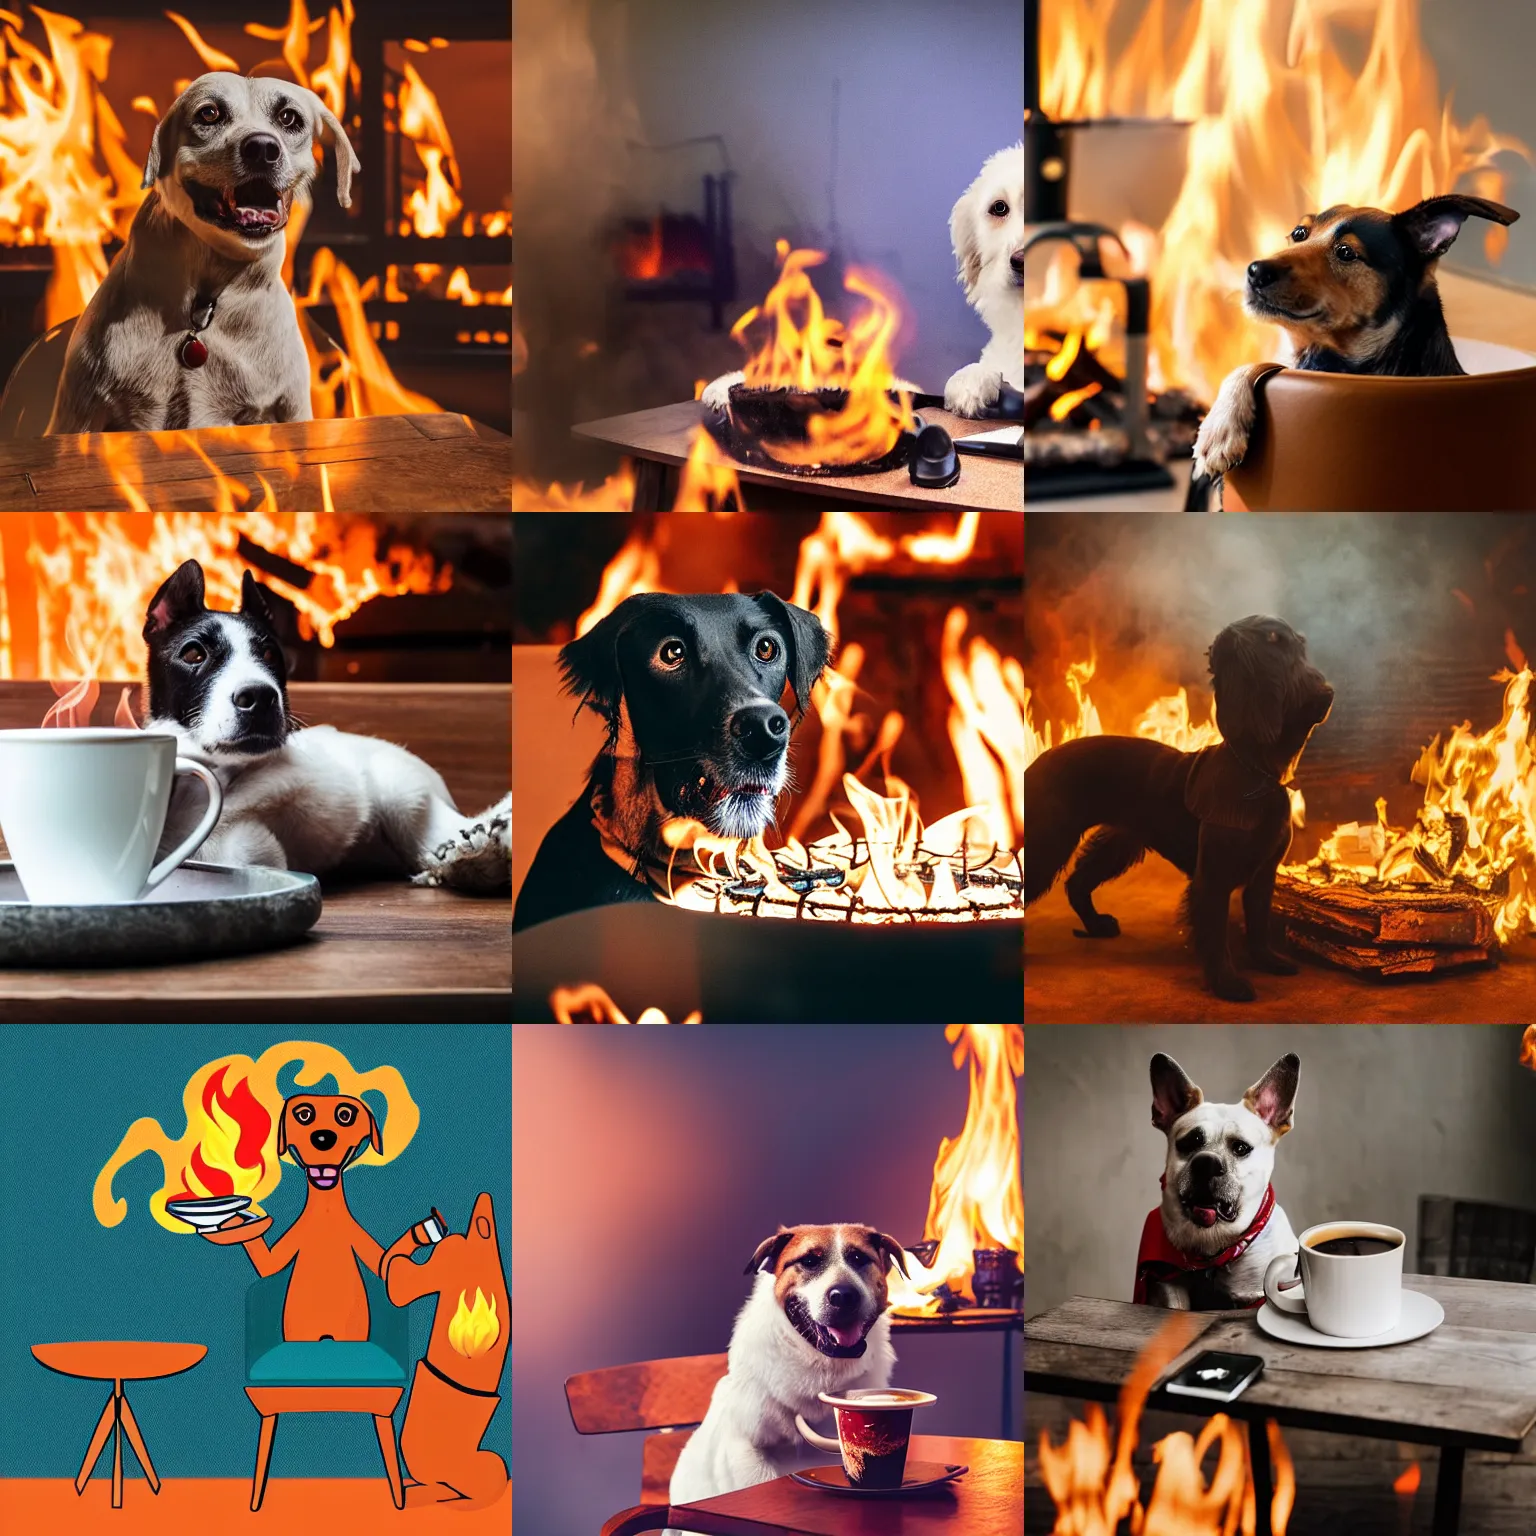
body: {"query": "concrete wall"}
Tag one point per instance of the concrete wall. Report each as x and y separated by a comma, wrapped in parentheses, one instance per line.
(1383, 1115)
(651, 1162)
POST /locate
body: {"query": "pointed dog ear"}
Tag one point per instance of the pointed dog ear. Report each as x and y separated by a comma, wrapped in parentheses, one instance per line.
(589, 665)
(1172, 1092)
(893, 1251)
(810, 646)
(180, 597)
(253, 600)
(1432, 226)
(768, 1250)
(1273, 1097)
(1248, 683)
(328, 130)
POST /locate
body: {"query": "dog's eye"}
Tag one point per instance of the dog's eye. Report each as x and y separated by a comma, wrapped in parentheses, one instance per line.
(304, 1113)
(345, 1114)
(289, 118)
(1241, 1149)
(810, 1260)
(269, 655)
(194, 655)
(1346, 253)
(671, 654)
(766, 649)
(999, 209)
(856, 1259)
(1299, 233)
(210, 112)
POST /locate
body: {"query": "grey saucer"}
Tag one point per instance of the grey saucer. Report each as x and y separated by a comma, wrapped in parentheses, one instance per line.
(196, 911)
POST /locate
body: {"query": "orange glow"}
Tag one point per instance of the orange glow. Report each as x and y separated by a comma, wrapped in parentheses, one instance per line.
(1408, 1481)
(1095, 1487)
(1284, 123)
(804, 348)
(615, 494)
(708, 480)
(977, 1199)
(1528, 1047)
(588, 1003)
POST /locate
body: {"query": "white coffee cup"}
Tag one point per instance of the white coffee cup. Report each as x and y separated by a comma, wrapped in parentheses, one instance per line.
(83, 810)
(1348, 1295)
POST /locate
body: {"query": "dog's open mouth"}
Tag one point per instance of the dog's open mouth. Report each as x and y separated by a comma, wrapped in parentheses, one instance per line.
(254, 208)
(839, 1343)
(322, 1175)
(1208, 1215)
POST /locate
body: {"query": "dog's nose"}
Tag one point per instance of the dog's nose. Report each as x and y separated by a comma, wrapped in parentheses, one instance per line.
(760, 730)
(322, 1141)
(1016, 261)
(255, 699)
(1205, 1165)
(1262, 273)
(260, 149)
(841, 1297)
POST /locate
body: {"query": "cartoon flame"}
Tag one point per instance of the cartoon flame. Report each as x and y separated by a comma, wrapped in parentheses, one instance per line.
(230, 1144)
(474, 1329)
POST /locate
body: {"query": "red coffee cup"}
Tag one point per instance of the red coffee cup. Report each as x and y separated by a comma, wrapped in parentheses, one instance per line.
(874, 1427)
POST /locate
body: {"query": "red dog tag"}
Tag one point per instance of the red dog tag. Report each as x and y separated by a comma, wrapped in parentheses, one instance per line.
(192, 353)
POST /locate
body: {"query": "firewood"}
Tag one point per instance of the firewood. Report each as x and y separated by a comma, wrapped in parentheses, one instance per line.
(1385, 959)
(1359, 914)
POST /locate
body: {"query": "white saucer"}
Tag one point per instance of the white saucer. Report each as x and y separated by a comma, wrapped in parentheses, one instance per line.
(1421, 1314)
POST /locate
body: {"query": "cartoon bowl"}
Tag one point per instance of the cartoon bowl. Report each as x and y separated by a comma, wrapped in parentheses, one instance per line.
(208, 1213)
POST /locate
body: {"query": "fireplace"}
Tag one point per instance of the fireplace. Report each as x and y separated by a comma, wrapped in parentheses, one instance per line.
(1409, 890)
(876, 895)
(404, 298)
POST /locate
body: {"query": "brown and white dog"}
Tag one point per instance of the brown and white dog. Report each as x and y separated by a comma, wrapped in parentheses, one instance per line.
(815, 1322)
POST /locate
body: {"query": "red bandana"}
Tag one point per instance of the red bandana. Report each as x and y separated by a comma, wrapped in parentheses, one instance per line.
(1158, 1259)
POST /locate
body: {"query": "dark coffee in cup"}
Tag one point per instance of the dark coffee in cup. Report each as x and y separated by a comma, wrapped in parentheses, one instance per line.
(1356, 1246)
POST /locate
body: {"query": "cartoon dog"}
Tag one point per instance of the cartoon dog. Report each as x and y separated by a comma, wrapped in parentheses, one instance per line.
(453, 1393)
(815, 1322)
(1355, 292)
(322, 1133)
(1206, 1247)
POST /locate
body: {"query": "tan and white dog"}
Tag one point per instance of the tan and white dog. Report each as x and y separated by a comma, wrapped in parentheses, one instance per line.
(815, 1322)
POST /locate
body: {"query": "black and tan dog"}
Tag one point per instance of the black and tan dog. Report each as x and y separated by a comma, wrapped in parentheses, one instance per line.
(1355, 291)
(688, 688)
(1221, 815)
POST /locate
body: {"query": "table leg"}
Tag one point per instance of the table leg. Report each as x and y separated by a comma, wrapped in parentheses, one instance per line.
(1007, 1381)
(117, 1445)
(1263, 1478)
(98, 1439)
(1448, 1491)
(136, 1440)
(650, 486)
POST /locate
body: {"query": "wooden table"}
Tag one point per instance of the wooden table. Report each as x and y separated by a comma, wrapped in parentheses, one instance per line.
(118, 1361)
(429, 463)
(1470, 1385)
(659, 441)
(987, 1501)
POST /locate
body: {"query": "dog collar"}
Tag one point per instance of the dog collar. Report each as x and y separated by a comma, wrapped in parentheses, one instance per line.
(1157, 1258)
(1270, 780)
(193, 351)
(800, 1319)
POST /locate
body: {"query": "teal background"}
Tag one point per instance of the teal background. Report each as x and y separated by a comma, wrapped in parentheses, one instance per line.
(67, 1095)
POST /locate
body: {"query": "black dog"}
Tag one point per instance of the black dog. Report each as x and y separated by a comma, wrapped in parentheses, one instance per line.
(1221, 815)
(1355, 291)
(689, 690)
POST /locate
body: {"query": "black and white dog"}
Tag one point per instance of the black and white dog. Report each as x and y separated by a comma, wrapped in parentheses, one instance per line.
(308, 798)
(688, 688)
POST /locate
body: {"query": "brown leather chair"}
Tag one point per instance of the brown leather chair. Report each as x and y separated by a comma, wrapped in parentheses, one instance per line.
(1333, 442)
(667, 1395)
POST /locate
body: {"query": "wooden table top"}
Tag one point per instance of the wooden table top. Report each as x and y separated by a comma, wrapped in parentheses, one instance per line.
(987, 1501)
(1471, 1383)
(382, 951)
(429, 463)
(119, 1359)
(986, 484)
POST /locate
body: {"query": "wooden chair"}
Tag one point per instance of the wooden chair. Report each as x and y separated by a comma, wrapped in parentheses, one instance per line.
(665, 1395)
(1476, 1240)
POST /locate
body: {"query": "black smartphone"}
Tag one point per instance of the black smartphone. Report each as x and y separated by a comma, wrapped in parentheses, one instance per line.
(1220, 1377)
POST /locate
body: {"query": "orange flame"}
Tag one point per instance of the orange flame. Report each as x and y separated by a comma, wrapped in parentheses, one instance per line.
(1283, 124)
(1528, 1047)
(473, 1330)
(588, 1003)
(615, 494)
(977, 1199)
(1408, 1481)
(708, 480)
(1095, 1488)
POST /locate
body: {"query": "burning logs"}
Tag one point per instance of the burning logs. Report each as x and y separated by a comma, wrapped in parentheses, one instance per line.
(1388, 929)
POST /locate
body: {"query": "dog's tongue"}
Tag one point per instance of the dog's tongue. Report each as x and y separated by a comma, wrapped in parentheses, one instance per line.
(846, 1337)
(258, 218)
(1204, 1214)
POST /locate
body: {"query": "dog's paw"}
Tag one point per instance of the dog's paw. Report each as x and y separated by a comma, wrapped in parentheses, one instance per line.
(973, 389)
(1223, 438)
(716, 398)
(1100, 926)
(1233, 988)
(1272, 961)
(478, 859)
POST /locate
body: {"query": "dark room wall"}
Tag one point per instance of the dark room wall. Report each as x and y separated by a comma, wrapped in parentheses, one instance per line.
(649, 1163)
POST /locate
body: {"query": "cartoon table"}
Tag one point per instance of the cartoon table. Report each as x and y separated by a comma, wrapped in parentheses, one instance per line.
(118, 1361)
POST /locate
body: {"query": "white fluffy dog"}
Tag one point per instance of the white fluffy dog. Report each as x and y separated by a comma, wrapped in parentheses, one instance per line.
(986, 229)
